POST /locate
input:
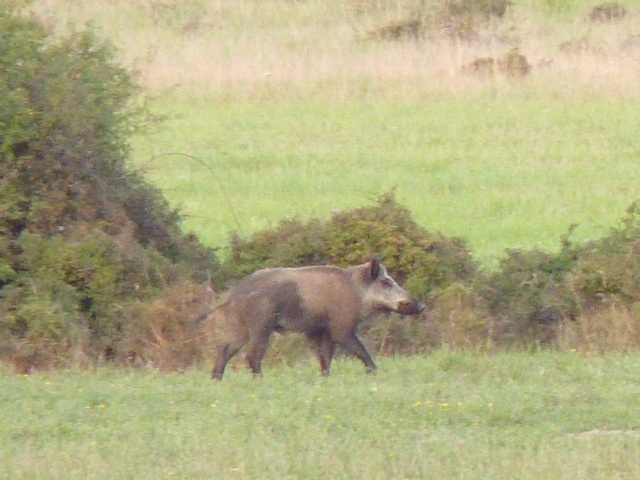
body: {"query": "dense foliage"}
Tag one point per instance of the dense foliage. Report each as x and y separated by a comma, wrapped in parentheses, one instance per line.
(81, 236)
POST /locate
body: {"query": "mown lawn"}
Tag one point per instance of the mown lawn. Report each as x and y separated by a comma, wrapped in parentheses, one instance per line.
(446, 415)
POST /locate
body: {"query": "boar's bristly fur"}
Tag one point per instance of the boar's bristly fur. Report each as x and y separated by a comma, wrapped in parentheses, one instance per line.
(324, 303)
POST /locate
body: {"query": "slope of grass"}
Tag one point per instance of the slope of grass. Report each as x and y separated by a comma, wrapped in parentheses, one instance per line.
(449, 415)
(501, 172)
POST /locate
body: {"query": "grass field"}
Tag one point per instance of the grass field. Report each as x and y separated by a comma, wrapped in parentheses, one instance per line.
(291, 111)
(500, 172)
(445, 416)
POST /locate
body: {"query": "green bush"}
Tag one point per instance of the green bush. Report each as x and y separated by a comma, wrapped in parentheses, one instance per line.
(535, 294)
(529, 295)
(81, 237)
(609, 268)
(425, 262)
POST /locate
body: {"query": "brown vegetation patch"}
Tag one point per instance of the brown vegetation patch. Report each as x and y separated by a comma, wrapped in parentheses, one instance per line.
(513, 65)
(459, 28)
(580, 46)
(607, 12)
(170, 333)
(613, 327)
(482, 67)
(412, 27)
(456, 19)
(481, 8)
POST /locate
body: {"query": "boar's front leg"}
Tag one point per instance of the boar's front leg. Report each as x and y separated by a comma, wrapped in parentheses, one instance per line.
(257, 348)
(353, 345)
(324, 347)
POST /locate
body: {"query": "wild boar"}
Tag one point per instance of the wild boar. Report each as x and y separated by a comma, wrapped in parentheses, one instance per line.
(324, 303)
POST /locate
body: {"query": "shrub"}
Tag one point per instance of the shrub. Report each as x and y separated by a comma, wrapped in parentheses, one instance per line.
(462, 19)
(607, 12)
(529, 295)
(81, 236)
(482, 67)
(585, 296)
(609, 268)
(512, 65)
(412, 26)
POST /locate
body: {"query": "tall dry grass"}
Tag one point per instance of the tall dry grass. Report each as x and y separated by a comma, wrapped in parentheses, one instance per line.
(324, 48)
(615, 328)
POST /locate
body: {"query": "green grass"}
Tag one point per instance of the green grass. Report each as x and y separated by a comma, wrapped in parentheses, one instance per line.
(509, 171)
(448, 415)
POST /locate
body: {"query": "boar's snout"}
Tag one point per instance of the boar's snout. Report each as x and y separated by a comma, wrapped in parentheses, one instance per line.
(410, 307)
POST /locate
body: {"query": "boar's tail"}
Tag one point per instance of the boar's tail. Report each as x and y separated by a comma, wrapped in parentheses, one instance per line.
(205, 316)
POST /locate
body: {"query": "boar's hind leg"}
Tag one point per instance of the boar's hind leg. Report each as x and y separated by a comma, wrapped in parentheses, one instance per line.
(324, 347)
(353, 345)
(224, 355)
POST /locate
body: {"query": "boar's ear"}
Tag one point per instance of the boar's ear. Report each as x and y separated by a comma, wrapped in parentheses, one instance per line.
(375, 268)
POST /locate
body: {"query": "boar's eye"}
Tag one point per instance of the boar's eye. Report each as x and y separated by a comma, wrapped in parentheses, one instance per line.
(386, 283)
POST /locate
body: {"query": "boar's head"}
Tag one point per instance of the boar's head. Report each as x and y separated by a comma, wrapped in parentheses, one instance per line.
(382, 292)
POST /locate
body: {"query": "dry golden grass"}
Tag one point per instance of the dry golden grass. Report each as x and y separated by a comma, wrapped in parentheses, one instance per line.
(612, 328)
(321, 48)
